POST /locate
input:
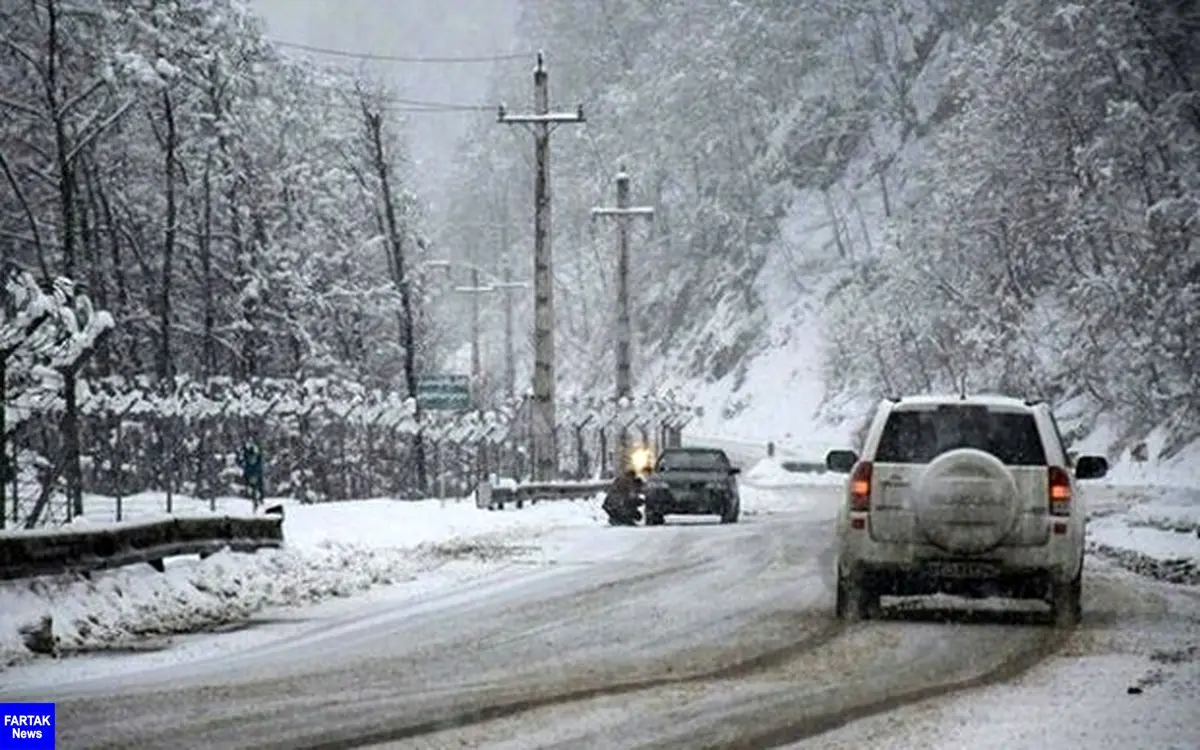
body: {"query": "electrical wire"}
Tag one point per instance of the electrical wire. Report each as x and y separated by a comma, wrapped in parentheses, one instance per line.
(392, 102)
(345, 96)
(411, 105)
(389, 109)
(440, 106)
(397, 58)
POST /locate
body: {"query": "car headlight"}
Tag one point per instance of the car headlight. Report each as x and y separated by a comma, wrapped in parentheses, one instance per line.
(641, 459)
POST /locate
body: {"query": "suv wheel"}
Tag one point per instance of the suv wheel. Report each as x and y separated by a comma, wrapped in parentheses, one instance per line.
(731, 514)
(654, 518)
(854, 601)
(1066, 602)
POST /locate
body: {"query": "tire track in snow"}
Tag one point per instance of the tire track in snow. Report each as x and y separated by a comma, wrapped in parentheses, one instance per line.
(851, 675)
(489, 709)
(807, 727)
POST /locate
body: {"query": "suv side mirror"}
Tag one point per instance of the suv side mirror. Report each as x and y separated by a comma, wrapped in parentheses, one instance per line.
(841, 461)
(1091, 467)
(735, 470)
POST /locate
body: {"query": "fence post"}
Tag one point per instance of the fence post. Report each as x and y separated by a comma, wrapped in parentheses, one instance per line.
(582, 464)
(479, 456)
(209, 457)
(603, 448)
(301, 450)
(581, 460)
(343, 474)
(118, 455)
(531, 455)
(169, 437)
(15, 477)
(436, 449)
(495, 456)
(372, 446)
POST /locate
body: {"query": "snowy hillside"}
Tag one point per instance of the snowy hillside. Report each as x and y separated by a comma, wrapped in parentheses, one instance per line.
(947, 193)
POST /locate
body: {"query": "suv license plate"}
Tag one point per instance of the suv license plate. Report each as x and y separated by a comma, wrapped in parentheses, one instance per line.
(955, 569)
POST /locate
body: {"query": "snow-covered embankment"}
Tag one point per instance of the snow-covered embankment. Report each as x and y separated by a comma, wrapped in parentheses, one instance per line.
(332, 550)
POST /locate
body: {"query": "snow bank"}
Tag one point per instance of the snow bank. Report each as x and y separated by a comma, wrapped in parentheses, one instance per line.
(1080, 704)
(1159, 538)
(770, 473)
(333, 550)
(819, 502)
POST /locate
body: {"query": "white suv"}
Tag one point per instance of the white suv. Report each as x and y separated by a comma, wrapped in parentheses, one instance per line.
(968, 496)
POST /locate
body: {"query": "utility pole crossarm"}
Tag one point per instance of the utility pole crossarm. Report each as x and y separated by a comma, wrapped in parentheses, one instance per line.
(630, 211)
(552, 117)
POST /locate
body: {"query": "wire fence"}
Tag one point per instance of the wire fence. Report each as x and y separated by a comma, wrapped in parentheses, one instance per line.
(321, 439)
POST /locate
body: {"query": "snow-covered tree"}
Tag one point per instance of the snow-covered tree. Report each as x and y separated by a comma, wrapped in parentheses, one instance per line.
(1056, 232)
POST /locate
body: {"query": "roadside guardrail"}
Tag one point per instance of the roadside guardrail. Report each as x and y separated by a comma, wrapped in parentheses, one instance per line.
(494, 496)
(24, 554)
(803, 467)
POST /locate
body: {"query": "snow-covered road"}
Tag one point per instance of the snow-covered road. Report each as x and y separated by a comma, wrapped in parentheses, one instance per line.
(692, 635)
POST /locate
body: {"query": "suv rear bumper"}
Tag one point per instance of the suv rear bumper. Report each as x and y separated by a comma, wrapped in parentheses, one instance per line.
(1059, 560)
(916, 580)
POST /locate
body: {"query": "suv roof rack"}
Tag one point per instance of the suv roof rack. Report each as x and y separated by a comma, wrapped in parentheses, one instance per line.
(1034, 401)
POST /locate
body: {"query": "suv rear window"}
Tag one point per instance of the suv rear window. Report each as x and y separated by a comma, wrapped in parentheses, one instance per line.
(917, 437)
(693, 461)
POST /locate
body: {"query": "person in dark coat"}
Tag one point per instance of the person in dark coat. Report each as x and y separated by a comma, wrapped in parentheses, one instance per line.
(251, 460)
(621, 501)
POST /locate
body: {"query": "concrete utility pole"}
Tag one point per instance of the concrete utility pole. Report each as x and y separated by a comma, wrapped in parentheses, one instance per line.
(480, 286)
(624, 343)
(510, 351)
(476, 365)
(541, 122)
(624, 338)
(475, 290)
(510, 354)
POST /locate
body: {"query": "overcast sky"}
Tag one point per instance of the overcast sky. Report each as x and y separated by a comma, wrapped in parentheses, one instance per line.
(412, 28)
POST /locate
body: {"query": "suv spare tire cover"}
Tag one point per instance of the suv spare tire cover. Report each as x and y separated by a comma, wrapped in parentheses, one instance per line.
(966, 501)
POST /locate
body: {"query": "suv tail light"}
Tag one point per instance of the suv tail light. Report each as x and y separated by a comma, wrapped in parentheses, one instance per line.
(860, 487)
(1059, 491)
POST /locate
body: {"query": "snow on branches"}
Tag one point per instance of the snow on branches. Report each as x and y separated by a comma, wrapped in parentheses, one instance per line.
(45, 333)
(192, 401)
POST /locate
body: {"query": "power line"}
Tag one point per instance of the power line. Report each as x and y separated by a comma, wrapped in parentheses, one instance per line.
(387, 107)
(415, 105)
(441, 106)
(352, 97)
(418, 104)
(348, 99)
(394, 58)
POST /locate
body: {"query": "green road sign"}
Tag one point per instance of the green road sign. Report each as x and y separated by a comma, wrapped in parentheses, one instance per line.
(444, 392)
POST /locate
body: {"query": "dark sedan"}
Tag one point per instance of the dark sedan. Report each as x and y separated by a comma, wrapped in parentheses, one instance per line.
(693, 482)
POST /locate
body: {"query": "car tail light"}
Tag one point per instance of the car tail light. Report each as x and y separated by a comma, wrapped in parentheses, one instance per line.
(860, 487)
(1059, 491)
